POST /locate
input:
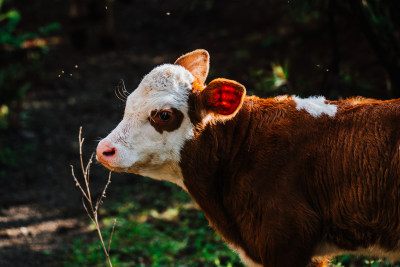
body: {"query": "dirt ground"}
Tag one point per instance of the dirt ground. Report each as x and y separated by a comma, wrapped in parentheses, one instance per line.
(40, 207)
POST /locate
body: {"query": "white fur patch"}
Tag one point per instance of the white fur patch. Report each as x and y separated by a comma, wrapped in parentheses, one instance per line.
(243, 256)
(315, 105)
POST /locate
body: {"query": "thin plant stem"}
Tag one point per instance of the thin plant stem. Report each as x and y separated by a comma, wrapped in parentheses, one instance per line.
(92, 211)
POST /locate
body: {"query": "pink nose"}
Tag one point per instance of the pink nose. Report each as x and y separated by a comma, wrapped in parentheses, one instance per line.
(105, 151)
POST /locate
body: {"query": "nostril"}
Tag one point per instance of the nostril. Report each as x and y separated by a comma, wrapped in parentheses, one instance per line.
(109, 152)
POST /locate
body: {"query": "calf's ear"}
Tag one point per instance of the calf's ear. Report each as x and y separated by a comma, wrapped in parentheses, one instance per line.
(197, 62)
(223, 98)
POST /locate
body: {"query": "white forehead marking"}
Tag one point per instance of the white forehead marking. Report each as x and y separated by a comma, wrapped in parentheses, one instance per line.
(165, 86)
(315, 105)
(167, 77)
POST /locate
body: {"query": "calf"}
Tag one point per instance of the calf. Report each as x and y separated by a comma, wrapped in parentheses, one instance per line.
(286, 181)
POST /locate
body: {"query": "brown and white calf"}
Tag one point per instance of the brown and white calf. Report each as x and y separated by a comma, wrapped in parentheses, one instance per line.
(286, 181)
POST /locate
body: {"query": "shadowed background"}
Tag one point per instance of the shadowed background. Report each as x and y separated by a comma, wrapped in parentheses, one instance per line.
(61, 61)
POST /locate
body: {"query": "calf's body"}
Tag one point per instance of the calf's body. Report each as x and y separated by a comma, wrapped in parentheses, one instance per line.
(283, 184)
(286, 181)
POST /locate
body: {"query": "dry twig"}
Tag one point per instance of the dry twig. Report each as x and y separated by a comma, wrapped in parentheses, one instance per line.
(92, 211)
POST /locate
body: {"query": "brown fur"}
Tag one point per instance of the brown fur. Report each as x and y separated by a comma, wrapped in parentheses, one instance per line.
(277, 181)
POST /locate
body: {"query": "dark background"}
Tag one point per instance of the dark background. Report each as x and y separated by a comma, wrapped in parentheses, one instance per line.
(60, 63)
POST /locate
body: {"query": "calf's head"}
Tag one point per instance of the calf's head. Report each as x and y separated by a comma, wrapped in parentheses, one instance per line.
(161, 114)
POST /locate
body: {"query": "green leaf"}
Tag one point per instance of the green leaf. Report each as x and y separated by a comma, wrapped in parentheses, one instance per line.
(12, 15)
(50, 28)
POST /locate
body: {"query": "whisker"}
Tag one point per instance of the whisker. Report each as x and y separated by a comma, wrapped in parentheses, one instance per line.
(124, 91)
(121, 94)
(120, 91)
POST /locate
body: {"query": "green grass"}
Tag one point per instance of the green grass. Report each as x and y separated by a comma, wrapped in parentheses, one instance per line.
(157, 225)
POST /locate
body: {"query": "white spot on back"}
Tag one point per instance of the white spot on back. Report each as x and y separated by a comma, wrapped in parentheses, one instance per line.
(315, 105)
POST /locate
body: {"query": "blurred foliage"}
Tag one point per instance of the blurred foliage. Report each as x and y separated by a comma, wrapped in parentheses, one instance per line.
(307, 11)
(275, 82)
(23, 52)
(360, 261)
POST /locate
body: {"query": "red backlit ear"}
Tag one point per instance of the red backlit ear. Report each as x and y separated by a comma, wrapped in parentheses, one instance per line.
(223, 96)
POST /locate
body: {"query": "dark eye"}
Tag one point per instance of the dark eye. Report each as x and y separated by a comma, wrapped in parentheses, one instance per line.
(164, 115)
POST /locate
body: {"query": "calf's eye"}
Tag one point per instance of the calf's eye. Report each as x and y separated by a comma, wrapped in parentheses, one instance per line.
(165, 119)
(165, 115)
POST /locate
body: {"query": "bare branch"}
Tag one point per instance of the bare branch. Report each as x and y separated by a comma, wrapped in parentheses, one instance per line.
(87, 170)
(91, 211)
(111, 236)
(78, 184)
(103, 194)
(87, 211)
(80, 150)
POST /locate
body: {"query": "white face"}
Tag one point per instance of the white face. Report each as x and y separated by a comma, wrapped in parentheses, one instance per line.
(154, 128)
